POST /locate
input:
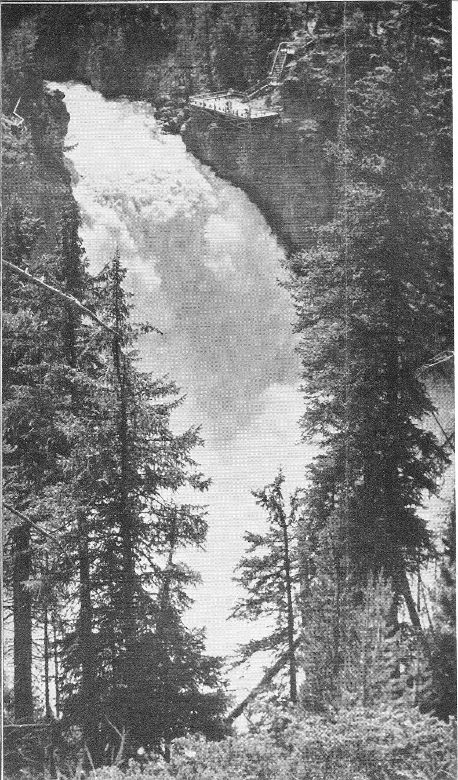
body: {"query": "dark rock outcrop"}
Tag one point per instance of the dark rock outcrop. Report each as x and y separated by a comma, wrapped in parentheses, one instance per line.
(279, 162)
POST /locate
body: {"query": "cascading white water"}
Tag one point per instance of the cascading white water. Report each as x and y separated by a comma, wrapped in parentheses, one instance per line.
(203, 266)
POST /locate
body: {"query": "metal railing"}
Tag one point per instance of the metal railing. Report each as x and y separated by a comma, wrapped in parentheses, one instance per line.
(15, 120)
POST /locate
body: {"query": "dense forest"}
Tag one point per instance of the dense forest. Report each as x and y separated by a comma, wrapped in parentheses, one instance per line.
(101, 668)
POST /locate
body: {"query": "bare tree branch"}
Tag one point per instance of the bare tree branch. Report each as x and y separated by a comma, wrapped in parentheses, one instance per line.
(443, 357)
(448, 437)
(30, 522)
(65, 296)
(26, 725)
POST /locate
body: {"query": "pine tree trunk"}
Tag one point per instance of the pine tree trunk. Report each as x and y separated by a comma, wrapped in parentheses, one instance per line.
(22, 615)
(336, 625)
(50, 748)
(46, 662)
(72, 273)
(126, 532)
(290, 614)
(56, 667)
(395, 566)
(403, 588)
(87, 657)
(124, 506)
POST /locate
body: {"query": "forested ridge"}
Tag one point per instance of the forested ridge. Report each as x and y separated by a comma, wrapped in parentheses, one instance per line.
(100, 662)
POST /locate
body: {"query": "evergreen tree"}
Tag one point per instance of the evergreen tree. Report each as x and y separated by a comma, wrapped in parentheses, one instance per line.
(349, 652)
(269, 573)
(373, 299)
(176, 688)
(33, 442)
(130, 465)
(21, 73)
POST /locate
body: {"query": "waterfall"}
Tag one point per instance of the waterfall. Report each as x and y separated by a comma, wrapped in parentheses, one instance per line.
(203, 266)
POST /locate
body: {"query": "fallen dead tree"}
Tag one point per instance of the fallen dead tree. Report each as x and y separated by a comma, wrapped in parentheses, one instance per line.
(262, 685)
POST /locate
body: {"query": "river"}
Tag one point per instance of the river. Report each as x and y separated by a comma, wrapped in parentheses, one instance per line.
(204, 266)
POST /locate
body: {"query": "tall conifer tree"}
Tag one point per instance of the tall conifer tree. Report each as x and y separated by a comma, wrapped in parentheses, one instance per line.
(269, 574)
(373, 292)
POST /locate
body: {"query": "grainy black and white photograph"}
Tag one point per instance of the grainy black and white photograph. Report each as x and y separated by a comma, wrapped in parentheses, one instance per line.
(228, 434)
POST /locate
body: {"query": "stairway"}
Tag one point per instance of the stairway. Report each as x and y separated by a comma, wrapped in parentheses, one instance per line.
(278, 63)
(258, 89)
(15, 120)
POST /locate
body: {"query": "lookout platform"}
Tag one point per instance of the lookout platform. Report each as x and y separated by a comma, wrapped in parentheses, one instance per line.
(250, 105)
(230, 105)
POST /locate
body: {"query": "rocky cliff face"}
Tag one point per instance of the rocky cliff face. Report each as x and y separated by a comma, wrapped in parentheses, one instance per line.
(280, 163)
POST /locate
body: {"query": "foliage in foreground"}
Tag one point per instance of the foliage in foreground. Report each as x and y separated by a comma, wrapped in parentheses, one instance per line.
(358, 744)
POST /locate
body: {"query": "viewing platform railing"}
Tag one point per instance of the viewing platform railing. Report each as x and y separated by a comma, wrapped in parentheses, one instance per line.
(229, 105)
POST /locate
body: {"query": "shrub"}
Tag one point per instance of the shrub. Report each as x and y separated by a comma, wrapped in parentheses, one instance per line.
(384, 743)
